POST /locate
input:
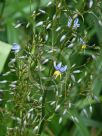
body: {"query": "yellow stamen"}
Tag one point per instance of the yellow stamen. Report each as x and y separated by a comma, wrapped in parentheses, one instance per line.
(83, 46)
(57, 73)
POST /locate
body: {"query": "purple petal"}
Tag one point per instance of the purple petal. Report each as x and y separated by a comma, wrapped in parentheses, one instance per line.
(57, 67)
(75, 26)
(76, 21)
(16, 47)
(82, 41)
(64, 68)
(69, 22)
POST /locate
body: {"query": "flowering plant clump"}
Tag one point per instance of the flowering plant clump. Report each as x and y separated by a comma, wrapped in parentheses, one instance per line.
(52, 78)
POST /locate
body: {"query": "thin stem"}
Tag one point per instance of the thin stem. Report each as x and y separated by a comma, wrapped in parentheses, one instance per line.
(43, 111)
(2, 9)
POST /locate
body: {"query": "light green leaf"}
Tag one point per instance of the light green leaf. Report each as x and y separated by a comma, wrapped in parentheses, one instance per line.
(4, 52)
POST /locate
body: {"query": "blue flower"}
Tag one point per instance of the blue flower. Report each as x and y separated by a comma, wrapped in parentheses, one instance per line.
(75, 23)
(16, 47)
(83, 43)
(59, 69)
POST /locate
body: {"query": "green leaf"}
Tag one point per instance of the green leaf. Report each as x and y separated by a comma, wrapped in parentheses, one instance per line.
(83, 130)
(4, 52)
(92, 123)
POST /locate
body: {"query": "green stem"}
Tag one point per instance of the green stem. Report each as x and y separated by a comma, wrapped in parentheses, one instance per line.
(2, 9)
(43, 112)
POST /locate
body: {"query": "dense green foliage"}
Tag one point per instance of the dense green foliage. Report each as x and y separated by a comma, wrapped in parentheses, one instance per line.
(36, 97)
